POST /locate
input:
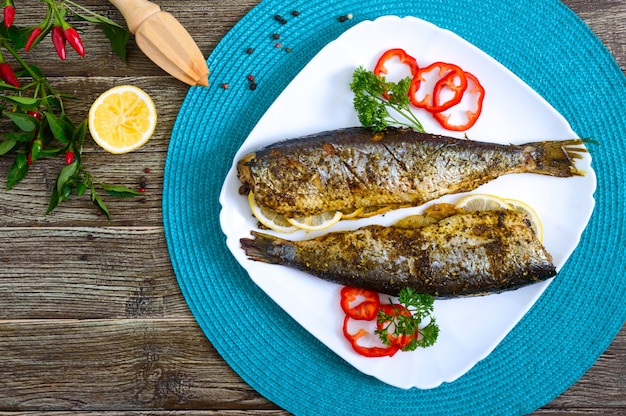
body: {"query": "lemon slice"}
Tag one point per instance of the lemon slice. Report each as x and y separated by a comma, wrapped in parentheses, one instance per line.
(270, 218)
(530, 213)
(373, 211)
(482, 202)
(349, 215)
(122, 119)
(317, 222)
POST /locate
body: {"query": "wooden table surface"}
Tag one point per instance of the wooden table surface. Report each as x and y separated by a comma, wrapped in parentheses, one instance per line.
(91, 315)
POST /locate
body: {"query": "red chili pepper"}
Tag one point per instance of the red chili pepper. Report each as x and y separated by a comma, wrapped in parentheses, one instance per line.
(405, 58)
(32, 38)
(474, 91)
(427, 83)
(9, 14)
(59, 41)
(7, 75)
(399, 341)
(73, 38)
(69, 157)
(367, 309)
(29, 159)
(35, 114)
(367, 351)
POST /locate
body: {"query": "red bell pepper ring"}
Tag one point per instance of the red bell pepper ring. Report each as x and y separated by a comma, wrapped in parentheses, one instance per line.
(425, 83)
(364, 350)
(366, 310)
(401, 340)
(381, 70)
(475, 94)
(451, 81)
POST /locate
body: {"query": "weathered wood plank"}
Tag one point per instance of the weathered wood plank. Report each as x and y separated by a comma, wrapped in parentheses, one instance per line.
(86, 273)
(168, 363)
(116, 365)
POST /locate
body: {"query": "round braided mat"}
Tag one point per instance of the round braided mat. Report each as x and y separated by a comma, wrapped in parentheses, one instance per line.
(569, 327)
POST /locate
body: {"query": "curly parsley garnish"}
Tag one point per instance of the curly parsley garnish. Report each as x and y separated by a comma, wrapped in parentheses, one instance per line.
(403, 329)
(380, 103)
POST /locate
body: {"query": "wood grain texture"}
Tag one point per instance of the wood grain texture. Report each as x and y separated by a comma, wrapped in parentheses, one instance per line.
(91, 316)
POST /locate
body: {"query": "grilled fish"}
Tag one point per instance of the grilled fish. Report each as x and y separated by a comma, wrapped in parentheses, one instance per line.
(465, 254)
(346, 169)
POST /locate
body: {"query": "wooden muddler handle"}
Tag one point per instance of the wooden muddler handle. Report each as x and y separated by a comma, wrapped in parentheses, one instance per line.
(164, 40)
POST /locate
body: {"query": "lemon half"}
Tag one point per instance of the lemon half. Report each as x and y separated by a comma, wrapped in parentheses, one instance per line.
(122, 119)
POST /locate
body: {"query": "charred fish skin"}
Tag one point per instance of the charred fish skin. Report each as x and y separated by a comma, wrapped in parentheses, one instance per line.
(467, 254)
(351, 168)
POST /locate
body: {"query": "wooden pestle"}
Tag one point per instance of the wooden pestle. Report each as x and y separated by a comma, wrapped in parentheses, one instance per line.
(164, 40)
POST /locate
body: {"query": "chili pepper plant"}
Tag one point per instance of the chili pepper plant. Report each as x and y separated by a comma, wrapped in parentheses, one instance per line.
(35, 125)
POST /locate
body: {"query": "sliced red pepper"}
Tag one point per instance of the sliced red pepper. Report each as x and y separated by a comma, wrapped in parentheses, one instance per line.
(401, 340)
(475, 94)
(426, 84)
(367, 309)
(451, 81)
(405, 58)
(381, 70)
(366, 351)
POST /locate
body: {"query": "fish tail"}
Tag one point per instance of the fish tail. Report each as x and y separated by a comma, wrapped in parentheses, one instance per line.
(557, 158)
(263, 247)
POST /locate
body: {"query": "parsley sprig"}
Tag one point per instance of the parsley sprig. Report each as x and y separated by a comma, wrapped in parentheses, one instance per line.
(400, 323)
(380, 103)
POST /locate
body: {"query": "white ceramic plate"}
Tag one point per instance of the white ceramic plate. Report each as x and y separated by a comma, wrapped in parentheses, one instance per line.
(319, 99)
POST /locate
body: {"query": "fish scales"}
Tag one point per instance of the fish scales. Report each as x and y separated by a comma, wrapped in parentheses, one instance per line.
(463, 255)
(350, 168)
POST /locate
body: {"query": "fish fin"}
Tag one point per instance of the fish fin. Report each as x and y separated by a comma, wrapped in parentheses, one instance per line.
(263, 247)
(557, 158)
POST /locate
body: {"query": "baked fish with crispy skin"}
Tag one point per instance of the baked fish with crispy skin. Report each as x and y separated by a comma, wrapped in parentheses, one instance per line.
(346, 169)
(464, 254)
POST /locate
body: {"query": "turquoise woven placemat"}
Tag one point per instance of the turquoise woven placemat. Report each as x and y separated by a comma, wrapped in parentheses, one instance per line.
(564, 333)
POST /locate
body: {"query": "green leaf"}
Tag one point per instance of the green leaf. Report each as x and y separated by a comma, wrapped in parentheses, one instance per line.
(52, 151)
(80, 188)
(17, 171)
(99, 203)
(119, 191)
(7, 145)
(28, 102)
(79, 134)
(60, 127)
(66, 173)
(54, 200)
(23, 121)
(118, 37)
(19, 136)
(66, 191)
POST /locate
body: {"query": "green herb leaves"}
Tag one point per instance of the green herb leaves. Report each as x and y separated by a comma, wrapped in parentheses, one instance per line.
(405, 322)
(380, 103)
(37, 125)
